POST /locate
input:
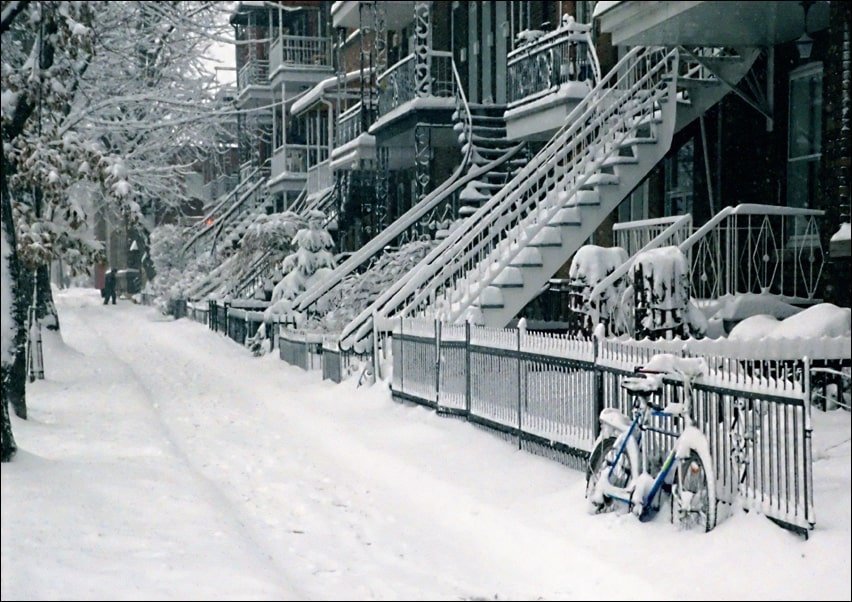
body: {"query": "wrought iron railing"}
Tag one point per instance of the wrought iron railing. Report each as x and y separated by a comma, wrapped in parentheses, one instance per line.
(757, 249)
(565, 55)
(546, 392)
(349, 124)
(451, 277)
(634, 236)
(402, 83)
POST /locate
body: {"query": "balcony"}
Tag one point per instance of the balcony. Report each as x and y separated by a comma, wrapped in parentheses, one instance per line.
(398, 88)
(303, 59)
(707, 23)
(319, 177)
(547, 78)
(397, 13)
(289, 167)
(253, 73)
(353, 143)
(253, 87)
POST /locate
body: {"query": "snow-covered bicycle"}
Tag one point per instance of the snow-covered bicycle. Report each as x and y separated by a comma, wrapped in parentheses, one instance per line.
(618, 465)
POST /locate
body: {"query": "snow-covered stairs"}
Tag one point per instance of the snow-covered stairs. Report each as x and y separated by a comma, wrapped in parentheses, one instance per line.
(488, 140)
(520, 237)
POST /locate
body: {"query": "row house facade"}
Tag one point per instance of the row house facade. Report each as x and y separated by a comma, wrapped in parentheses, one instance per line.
(570, 121)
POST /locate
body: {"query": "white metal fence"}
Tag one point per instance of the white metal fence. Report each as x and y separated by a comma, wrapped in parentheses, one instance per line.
(546, 391)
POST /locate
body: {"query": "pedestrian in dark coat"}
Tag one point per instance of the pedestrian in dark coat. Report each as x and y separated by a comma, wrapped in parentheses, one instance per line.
(109, 286)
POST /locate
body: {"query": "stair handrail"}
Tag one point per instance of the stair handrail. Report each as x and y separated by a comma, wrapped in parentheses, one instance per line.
(249, 274)
(207, 228)
(413, 215)
(234, 209)
(494, 215)
(742, 209)
(512, 214)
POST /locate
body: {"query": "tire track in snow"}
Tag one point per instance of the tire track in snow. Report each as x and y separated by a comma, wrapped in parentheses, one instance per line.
(227, 508)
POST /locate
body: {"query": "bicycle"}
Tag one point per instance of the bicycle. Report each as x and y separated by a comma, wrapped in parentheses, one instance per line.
(617, 471)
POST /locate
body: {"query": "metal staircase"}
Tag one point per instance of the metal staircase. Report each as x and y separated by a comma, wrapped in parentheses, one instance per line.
(532, 226)
(473, 172)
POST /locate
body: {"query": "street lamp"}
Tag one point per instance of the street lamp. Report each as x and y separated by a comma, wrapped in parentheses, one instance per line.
(805, 43)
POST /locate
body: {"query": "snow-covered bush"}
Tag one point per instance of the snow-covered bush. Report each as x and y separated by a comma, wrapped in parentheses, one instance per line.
(662, 303)
(309, 264)
(356, 292)
(589, 267)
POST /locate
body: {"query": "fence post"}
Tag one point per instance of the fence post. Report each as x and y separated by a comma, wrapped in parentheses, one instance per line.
(401, 355)
(437, 361)
(808, 457)
(520, 396)
(599, 393)
(467, 368)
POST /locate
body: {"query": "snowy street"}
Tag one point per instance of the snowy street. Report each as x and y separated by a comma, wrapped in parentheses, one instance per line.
(162, 461)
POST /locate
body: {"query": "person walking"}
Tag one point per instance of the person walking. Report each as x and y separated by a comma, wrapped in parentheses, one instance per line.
(109, 286)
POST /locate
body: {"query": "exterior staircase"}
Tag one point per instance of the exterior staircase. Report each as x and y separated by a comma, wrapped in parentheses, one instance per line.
(488, 142)
(520, 237)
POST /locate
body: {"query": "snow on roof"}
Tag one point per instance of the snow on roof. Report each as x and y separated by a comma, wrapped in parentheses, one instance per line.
(314, 94)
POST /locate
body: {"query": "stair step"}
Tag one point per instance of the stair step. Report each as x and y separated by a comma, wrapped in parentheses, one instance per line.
(491, 297)
(510, 277)
(529, 257)
(600, 179)
(567, 216)
(549, 236)
(584, 197)
(620, 160)
(634, 140)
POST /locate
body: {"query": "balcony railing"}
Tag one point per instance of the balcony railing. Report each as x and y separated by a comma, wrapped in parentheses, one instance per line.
(253, 73)
(349, 125)
(319, 177)
(398, 84)
(562, 56)
(292, 158)
(304, 52)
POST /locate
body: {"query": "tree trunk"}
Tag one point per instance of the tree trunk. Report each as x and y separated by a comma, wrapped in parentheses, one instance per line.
(7, 439)
(46, 309)
(15, 373)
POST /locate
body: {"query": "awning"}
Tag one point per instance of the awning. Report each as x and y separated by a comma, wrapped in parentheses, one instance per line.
(315, 94)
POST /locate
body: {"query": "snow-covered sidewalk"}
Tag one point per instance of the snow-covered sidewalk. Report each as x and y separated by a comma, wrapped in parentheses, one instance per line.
(162, 461)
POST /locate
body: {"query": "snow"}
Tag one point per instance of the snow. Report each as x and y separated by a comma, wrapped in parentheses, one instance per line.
(162, 461)
(313, 95)
(818, 321)
(843, 233)
(744, 305)
(592, 263)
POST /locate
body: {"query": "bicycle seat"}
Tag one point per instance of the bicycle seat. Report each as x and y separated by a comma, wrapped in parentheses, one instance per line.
(643, 386)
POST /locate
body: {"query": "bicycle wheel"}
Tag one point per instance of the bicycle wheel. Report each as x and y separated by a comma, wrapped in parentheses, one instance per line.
(603, 456)
(694, 494)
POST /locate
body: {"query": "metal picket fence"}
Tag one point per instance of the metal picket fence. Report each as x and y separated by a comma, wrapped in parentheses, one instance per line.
(545, 392)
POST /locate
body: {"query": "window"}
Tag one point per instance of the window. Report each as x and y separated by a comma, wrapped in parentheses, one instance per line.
(804, 134)
(804, 140)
